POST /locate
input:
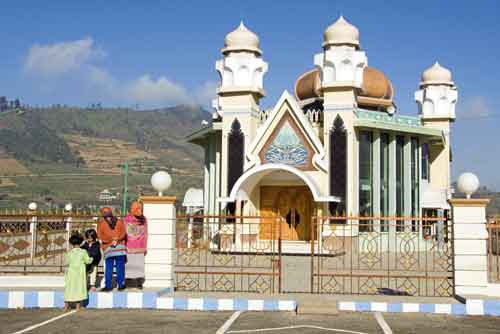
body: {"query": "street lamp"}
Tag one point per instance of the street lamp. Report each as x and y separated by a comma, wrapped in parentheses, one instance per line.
(161, 181)
(68, 207)
(468, 184)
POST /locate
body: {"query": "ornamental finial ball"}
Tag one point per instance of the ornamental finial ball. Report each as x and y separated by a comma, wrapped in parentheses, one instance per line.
(468, 184)
(32, 206)
(161, 181)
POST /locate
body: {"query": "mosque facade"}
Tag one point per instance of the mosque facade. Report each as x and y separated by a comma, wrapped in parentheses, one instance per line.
(337, 146)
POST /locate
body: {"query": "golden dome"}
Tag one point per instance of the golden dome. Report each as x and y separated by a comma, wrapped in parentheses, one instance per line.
(241, 39)
(308, 85)
(376, 89)
(376, 84)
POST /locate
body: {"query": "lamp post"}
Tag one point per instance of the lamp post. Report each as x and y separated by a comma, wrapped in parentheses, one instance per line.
(468, 184)
(67, 210)
(161, 181)
(32, 211)
(125, 187)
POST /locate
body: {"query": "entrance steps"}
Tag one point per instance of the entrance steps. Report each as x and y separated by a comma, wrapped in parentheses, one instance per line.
(317, 306)
(295, 247)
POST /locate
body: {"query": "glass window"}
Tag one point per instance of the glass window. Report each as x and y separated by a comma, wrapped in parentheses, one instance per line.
(384, 179)
(365, 178)
(400, 148)
(338, 168)
(425, 162)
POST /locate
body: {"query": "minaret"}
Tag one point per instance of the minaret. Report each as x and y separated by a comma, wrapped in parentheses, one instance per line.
(341, 63)
(241, 72)
(341, 67)
(436, 100)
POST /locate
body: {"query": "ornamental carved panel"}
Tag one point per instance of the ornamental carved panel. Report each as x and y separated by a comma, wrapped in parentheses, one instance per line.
(287, 145)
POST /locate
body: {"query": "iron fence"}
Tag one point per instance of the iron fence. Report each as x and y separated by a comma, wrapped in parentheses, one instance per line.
(355, 255)
(493, 228)
(382, 255)
(228, 253)
(36, 243)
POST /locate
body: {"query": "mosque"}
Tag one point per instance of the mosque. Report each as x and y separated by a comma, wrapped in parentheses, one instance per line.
(337, 145)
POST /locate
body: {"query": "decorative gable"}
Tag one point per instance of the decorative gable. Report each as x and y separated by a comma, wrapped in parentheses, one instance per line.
(287, 145)
(287, 138)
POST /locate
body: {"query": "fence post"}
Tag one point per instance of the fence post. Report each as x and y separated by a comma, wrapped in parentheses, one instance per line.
(33, 231)
(160, 259)
(69, 228)
(470, 252)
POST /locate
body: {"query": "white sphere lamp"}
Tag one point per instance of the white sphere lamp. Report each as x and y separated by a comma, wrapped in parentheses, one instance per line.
(32, 206)
(161, 181)
(68, 207)
(468, 184)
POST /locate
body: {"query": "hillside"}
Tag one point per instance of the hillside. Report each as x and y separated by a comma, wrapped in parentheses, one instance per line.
(43, 151)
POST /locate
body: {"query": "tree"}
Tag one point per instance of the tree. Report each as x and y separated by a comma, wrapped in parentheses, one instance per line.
(3, 103)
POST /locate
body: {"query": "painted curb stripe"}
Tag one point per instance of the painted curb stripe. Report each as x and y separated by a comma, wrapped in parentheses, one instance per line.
(153, 300)
(472, 307)
(148, 300)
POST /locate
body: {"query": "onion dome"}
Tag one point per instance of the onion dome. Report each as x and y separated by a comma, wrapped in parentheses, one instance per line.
(308, 85)
(436, 75)
(241, 39)
(376, 90)
(341, 33)
(375, 84)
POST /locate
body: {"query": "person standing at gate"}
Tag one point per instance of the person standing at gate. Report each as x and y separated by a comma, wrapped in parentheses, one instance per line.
(137, 238)
(75, 277)
(111, 231)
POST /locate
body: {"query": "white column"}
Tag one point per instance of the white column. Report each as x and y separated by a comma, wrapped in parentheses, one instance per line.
(33, 231)
(376, 179)
(160, 259)
(470, 237)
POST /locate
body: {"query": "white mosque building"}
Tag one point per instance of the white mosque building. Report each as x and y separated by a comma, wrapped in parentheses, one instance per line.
(338, 145)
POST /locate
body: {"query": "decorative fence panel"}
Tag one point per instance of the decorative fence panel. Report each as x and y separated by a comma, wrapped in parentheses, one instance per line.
(228, 253)
(382, 255)
(37, 243)
(493, 228)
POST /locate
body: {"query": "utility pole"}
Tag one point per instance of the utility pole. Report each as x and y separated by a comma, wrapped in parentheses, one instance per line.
(125, 187)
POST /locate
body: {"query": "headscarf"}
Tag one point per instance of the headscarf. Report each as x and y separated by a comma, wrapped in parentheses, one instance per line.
(107, 214)
(136, 211)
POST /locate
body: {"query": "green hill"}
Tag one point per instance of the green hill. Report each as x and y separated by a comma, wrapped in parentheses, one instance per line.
(81, 143)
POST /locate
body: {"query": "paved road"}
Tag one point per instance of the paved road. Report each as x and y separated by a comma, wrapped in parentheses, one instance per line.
(160, 321)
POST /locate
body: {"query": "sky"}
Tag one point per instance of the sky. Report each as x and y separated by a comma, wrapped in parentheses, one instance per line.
(162, 53)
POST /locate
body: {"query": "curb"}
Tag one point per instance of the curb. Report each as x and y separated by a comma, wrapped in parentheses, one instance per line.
(144, 300)
(471, 307)
(154, 300)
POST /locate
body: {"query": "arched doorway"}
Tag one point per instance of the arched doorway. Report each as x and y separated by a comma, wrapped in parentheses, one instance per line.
(293, 205)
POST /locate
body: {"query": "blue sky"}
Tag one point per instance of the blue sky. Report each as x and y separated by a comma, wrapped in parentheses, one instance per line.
(162, 53)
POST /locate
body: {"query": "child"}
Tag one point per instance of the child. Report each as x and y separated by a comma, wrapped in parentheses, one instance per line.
(93, 248)
(75, 278)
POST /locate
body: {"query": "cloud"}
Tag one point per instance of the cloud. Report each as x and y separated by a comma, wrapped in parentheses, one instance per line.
(206, 93)
(148, 90)
(61, 58)
(475, 107)
(79, 59)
